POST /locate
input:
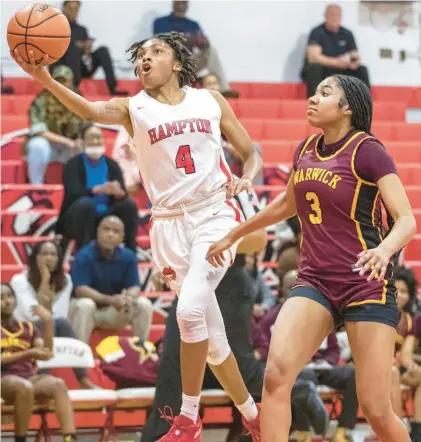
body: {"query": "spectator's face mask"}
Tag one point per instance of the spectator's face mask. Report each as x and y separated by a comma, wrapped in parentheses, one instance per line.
(95, 152)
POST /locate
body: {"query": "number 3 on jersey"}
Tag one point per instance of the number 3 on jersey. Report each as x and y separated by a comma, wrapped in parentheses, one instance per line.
(316, 216)
(183, 160)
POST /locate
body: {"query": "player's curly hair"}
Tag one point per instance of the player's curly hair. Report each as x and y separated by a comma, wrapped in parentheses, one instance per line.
(177, 43)
(357, 95)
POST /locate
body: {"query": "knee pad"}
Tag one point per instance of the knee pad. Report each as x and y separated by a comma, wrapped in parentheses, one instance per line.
(191, 322)
(219, 350)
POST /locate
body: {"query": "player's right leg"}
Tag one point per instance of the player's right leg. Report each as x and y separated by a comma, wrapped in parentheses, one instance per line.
(20, 393)
(302, 324)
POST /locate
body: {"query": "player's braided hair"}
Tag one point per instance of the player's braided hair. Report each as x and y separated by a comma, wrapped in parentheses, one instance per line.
(177, 42)
(357, 95)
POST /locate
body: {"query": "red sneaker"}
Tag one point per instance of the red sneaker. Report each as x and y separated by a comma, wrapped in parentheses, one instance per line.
(182, 429)
(253, 426)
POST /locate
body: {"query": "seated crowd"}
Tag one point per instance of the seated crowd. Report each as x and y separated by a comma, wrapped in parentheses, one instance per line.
(102, 289)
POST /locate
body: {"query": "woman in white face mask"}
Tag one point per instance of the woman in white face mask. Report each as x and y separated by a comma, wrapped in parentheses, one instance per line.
(94, 188)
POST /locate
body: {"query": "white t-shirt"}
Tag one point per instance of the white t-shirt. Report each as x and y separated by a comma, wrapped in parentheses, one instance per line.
(26, 298)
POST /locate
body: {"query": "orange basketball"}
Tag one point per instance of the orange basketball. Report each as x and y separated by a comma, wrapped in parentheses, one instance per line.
(40, 28)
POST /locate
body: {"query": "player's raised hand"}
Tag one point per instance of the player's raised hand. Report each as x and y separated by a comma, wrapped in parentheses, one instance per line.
(375, 260)
(238, 185)
(36, 71)
(215, 254)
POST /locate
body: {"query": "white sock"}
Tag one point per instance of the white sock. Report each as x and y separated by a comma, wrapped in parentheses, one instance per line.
(190, 407)
(248, 409)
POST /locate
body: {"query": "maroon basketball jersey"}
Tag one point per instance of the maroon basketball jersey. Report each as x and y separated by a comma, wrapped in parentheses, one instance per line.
(18, 338)
(403, 329)
(340, 213)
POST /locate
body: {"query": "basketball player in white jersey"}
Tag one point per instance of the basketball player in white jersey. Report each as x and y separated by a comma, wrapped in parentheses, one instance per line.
(176, 135)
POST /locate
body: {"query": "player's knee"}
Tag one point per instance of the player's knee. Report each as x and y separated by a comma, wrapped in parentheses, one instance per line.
(58, 385)
(24, 390)
(279, 377)
(219, 350)
(191, 321)
(375, 409)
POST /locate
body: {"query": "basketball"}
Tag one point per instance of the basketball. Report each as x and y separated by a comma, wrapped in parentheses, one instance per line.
(40, 28)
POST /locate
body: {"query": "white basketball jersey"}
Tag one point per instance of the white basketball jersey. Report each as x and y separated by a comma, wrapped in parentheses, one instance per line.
(178, 148)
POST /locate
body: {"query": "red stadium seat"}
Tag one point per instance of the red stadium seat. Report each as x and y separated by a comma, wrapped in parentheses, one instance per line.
(410, 174)
(413, 249)
(285, 130)
(407, 132)
(16, 104)
(389, 111)
(12, 123)
(254, 127)
(273, 90)
(382, 130)
(242, 88)
(414, 196)
(417, 214)
(402, 151)
(12, 171)
(23, 85)
(277, 151)
(93, 87)
(392, 93)
(416, 98)
(257, 108)
(294, 109)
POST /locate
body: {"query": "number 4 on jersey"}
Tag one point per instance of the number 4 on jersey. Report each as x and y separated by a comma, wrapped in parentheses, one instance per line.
(183, 160)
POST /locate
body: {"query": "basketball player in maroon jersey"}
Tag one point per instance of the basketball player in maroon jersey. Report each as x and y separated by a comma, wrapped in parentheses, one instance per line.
(176, 135)
(21, 347)
(340, 178)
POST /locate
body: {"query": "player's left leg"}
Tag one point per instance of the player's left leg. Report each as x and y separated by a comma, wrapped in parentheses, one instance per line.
(372, 345)
(203, 336)
(48, 387)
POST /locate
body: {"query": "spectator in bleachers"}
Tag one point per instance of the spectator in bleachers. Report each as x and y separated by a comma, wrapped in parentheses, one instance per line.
(264, 299)
(94, 188)
(206, 55)
(107, 288)
(46, 283)
(407, 337)
(21, 384)
(331, 50)
(80, 56)
(54, 129)
(324, 370)
(235, 295)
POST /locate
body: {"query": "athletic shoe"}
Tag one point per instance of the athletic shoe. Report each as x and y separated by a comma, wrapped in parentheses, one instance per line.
(182, 428)
(253, 427)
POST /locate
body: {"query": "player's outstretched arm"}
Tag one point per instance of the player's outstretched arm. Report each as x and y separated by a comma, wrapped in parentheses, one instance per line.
(243, 145)
(281, 208)
(110, 112)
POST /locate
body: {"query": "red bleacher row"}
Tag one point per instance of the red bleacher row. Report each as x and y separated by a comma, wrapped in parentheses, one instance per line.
(411, 96)
(244, 108)
(278, 129)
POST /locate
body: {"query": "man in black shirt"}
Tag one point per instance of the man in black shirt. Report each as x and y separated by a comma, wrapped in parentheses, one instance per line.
(331, 50)
(236, 296)
(79, 56)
